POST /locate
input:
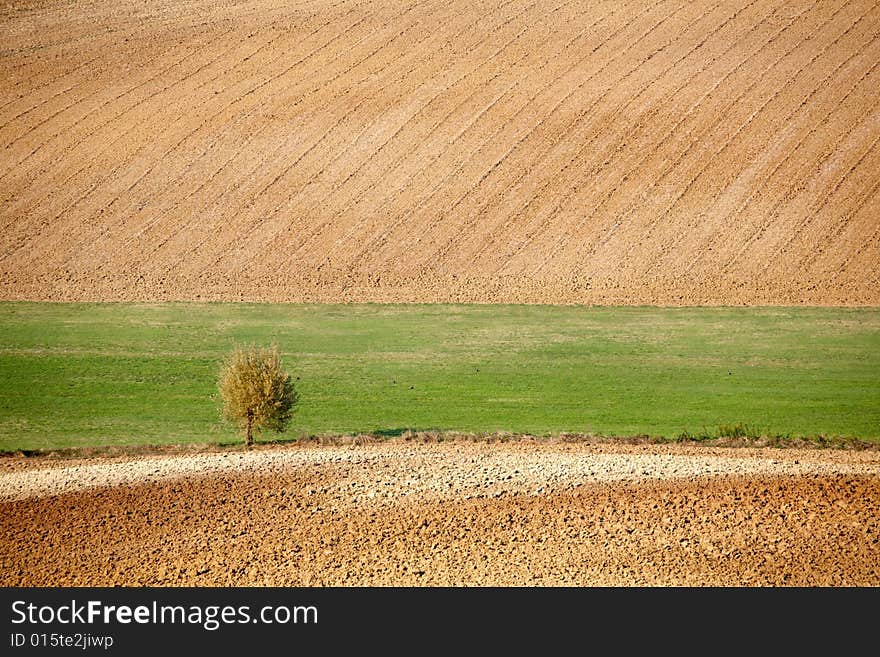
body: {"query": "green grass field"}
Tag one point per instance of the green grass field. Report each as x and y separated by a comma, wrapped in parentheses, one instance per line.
(121, 374)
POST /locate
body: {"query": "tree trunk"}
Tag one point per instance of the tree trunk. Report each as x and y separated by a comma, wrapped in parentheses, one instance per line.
(248, 432)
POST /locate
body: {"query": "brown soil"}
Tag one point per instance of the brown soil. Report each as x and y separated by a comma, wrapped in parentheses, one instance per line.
(558, 151)
(375, 519)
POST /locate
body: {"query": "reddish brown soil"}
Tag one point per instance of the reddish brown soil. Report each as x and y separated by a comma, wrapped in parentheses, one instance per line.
(558, 151)
(301, 526)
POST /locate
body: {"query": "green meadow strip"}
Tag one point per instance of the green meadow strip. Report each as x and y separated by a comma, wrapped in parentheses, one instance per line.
(80, 375)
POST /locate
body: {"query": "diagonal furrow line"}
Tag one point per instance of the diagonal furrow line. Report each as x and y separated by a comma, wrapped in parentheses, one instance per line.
(820, 207)
(698, 139)
(382, 238)
(237, 119)
(510, 42)
(434, 128)
(79, 100)
(340, 73)
(363, 59)
(132, 127)
(278, 177)
(281, 147)
(585, 148)
(72, 146)
(135, 21)
(682, 120)
(399, 160)
(146, 99)
(670, 167)
(91, 112)
(135, 24)
(43, 86)
(195, 246)
(437, 95)
(474, 120)
(193, 131)
(702, 171)
(794, 188)
(842, 224)
(98, 184)
(80, 43)
(58, 44)
(465, 229)
(350, 113)
(648, 152)
(873, 240)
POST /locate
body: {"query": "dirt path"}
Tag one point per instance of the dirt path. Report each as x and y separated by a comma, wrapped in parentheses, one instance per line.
(447, 514)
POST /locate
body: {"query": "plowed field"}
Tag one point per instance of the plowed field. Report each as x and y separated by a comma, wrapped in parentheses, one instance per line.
(532, 513)
(554, 151)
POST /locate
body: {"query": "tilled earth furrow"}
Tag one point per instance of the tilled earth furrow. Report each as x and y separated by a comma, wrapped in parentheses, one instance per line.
(449, 514)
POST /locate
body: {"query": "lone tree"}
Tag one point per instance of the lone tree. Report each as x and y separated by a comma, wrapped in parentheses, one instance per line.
(256, 392)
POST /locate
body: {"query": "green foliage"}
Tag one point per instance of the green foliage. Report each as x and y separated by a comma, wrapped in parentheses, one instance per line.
(738, 430)
(257, 393)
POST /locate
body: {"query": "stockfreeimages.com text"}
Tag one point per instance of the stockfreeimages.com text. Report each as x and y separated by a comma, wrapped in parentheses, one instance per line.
(210, 617)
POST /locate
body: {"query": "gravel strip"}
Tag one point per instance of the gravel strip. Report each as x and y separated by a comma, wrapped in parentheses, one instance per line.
(441, 471)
